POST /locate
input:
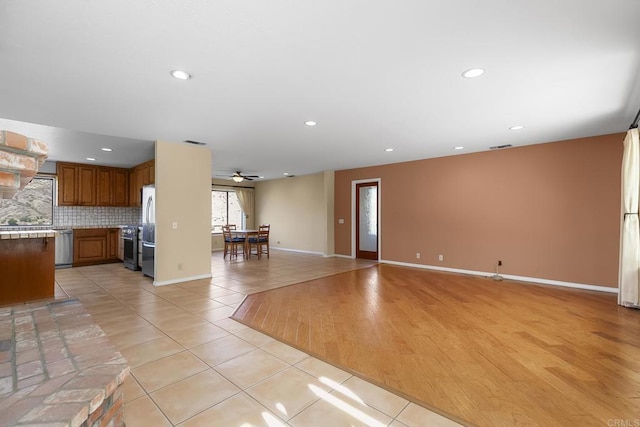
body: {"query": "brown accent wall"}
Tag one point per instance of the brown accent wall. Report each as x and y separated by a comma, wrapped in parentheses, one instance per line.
(548, 211)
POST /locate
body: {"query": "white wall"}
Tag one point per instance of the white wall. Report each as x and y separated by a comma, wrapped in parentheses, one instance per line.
(183, 196)
(298, 213)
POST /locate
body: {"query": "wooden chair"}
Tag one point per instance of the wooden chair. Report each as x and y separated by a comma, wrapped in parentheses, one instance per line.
(260, 242)
(231, 243)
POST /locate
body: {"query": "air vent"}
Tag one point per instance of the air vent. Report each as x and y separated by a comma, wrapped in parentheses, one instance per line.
(195, 142)
(500, 147)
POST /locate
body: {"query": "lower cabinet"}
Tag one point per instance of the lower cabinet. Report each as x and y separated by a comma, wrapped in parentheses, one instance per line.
(27, 267)
(120, 248)
(95, 246)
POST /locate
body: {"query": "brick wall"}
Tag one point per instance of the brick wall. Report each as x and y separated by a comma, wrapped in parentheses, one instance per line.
(20, 158)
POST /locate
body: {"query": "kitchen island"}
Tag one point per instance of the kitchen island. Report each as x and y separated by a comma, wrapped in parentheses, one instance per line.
(27, 263)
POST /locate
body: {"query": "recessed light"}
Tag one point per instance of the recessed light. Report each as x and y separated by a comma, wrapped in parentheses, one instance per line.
(261, 177)
(108, 150)
(180, 75)
(519, 127)
(388, 150)
(473, 72)
(286, 173)
(91, 159)
(459, 147)
(310, 123)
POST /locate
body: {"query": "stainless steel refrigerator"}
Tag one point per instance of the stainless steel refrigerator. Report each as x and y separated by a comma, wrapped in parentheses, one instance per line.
(148, 230)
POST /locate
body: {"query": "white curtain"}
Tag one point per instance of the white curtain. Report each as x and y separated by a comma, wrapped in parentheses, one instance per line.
(629, 273)
(245, 198)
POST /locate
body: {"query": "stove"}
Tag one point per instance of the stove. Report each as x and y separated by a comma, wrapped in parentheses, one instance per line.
(129, 235)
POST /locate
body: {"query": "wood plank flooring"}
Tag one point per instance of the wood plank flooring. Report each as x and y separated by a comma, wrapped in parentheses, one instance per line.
(484, 352)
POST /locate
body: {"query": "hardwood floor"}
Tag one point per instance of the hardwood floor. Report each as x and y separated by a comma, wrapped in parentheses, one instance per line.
(484, 352)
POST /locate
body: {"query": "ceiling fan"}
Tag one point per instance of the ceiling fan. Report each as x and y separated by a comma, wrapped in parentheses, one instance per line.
(238, 177)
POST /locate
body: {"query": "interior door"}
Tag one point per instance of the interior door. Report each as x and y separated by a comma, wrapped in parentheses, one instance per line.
(367, 220)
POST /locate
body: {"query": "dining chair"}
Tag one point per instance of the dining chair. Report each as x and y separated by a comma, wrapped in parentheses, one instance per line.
(260, 241)
(231, 243)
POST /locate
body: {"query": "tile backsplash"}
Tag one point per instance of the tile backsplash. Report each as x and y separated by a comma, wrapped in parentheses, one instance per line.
(87, 216)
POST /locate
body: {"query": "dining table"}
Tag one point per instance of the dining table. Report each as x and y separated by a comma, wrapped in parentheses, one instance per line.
(246, 233)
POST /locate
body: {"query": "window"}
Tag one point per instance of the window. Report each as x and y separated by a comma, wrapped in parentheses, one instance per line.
(225, 209)
(33, 205)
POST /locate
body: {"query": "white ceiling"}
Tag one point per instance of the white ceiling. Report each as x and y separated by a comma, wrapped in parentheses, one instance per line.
(373, 74)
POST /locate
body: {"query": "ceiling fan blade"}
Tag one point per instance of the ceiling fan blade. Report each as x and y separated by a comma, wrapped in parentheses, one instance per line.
(246, 178)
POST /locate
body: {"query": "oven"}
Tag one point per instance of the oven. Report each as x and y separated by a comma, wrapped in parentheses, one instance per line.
(129, 236)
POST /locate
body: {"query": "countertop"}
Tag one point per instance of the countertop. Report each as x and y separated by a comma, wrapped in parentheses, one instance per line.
(26, 234)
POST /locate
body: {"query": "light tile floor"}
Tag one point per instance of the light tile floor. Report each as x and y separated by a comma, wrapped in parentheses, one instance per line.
(194, 366)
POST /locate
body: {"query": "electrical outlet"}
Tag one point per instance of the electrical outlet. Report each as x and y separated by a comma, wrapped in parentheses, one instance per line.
(175, 225)
(499, 262)
(417, 255)
(440, 257)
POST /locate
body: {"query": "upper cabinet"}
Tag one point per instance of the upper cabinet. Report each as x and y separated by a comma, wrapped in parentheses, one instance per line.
(139, 176)
(67, 184)
(113, 187)
(86, 185)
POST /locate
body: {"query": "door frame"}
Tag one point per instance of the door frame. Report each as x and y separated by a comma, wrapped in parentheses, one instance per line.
(354, 195)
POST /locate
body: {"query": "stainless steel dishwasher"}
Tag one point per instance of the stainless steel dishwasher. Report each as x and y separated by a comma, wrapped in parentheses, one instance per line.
(64, 248)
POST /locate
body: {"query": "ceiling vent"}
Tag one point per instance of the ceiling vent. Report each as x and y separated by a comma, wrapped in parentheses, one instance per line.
(500, 147)
(188, 141)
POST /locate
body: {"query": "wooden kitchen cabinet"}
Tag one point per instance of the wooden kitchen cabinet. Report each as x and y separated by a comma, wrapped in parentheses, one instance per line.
(95, 246)
(120, 248)
(28, 271)
(113, 187)
(139, 176)
(120, 187)
(104, 187)
(86, 185)
(113, 235)
(67, 184)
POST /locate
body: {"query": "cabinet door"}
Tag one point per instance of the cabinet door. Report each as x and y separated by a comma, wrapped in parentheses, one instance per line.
(27, 267)
(87, 185)
(119, 187)
(112, 243)
(120, 248)
(104, 187)
(146, 180)
(134, 194)
(152, 172)
(139, 182)
(89, 250)
(67, 184)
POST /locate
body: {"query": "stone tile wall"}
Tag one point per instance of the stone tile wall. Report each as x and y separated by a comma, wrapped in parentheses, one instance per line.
(81, 216)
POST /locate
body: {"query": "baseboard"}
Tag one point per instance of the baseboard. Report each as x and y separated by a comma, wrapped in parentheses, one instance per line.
(508, 276)
(183, 279)
(297, 250)
(343, 256)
